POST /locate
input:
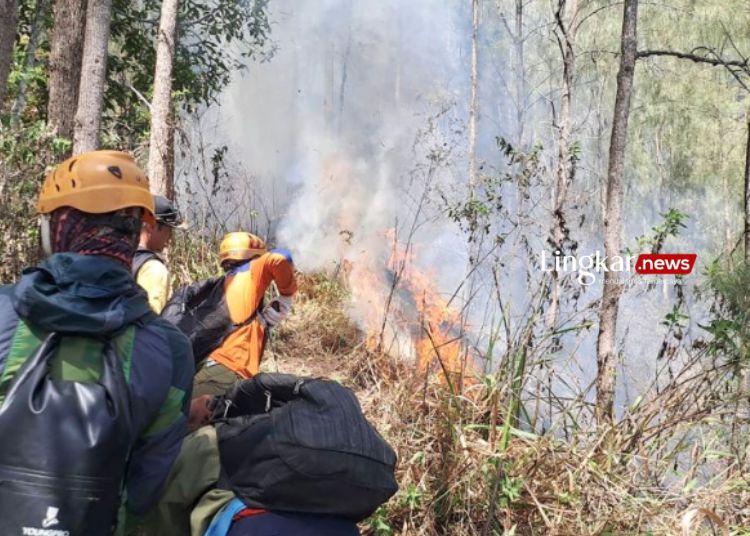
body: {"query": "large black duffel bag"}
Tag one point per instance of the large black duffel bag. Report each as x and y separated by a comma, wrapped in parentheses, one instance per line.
(303, 445)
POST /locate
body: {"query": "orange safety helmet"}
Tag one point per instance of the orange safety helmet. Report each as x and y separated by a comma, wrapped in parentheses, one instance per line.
(97, 182)
(240, 246)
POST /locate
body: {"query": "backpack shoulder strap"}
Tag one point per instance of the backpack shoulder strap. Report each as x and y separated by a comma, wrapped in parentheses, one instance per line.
(141, 257)
(223, 520)
(249, 320)
(201, 288)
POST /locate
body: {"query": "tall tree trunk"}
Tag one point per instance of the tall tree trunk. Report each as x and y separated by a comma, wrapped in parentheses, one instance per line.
(8, 23)
(161, 146)
(473, 97)
(521, 101)
(747, 193)
(564, 175)
(605, 344)
(66, 49)
(93, 77)
(37, 27)
(474, 244)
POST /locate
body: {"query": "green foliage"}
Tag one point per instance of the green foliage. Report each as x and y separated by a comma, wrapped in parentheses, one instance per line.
(26, 151)
(20, 148)
(478, 211)
(675, 318)
(28, 71)
(507, 489)
(510, 491)
(33, 78)
(730, 327)
(216, 39)
(377, 522)
(670, 227)
(218, 167)
(192, 257)
(411, 497)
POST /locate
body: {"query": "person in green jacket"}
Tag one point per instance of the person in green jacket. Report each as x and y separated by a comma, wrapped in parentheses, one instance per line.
(91, 208)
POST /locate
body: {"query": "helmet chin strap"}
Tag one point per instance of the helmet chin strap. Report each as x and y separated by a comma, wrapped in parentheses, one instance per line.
(44, 226)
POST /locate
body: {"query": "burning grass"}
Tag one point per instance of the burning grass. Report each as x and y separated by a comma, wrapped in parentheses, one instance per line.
(459, 477)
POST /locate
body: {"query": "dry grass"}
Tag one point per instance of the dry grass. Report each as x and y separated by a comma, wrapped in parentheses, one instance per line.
(457, 479)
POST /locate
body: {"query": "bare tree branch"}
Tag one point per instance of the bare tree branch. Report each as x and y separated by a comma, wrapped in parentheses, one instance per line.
(735, 67)
(717, 61)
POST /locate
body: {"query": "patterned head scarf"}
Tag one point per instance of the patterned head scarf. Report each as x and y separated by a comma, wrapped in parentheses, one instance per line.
(113, 235)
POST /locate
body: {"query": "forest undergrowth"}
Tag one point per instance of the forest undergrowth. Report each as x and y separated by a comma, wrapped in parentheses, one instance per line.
(463, 472)
(675, 462)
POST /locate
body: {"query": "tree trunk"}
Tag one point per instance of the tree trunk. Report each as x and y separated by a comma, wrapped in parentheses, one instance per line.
(564, 175)
(605, 347)
(521, 103)
(161, 146)
(66, 49)
(8, 23)
(474, 243)
(473, 97)
(37, 27)
(747, 193)
(93, 77)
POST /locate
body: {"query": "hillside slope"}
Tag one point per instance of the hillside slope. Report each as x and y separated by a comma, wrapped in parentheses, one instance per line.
(458, 477)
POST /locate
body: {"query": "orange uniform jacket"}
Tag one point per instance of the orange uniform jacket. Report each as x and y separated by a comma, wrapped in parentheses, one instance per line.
(242, 350)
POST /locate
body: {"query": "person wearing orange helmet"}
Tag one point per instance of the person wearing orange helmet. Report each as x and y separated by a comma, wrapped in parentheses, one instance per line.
(250, 269)
(94, 387)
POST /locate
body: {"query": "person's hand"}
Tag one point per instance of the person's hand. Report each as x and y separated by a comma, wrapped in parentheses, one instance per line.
(277, 310)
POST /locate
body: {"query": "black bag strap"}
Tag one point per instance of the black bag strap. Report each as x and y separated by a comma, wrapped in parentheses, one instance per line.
(141, 257)
(249, 320)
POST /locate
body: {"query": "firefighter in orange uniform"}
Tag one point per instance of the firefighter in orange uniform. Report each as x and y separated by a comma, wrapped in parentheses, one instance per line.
(250, 269)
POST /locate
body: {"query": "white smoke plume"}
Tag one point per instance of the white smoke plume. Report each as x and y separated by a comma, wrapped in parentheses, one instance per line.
(333, 122)
(338, 132)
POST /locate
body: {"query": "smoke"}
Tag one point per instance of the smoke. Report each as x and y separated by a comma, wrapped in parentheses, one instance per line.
(337, 126)
(357, 124)
(334, 115)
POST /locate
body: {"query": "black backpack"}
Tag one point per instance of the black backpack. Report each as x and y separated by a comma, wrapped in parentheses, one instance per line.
(302, 445)
(65, 448)
(200, 311)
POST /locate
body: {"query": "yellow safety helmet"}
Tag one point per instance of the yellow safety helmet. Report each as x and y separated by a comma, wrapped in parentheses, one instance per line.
(240, 246)
(97, 182)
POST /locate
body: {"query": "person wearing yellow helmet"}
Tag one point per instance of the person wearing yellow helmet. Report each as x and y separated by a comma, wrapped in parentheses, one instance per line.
(94, 388)
(250, 269)
(149, 268)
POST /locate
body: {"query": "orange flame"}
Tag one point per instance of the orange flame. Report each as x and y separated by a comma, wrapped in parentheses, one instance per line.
(417, 309)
